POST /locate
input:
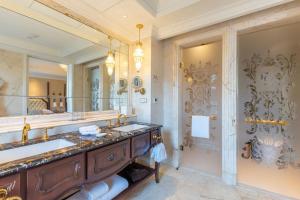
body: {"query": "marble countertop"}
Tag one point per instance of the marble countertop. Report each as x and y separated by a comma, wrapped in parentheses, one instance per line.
(82, 144)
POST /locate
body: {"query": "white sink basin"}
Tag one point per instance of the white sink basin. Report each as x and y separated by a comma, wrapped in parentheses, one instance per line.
(131, 127)
(32, 150)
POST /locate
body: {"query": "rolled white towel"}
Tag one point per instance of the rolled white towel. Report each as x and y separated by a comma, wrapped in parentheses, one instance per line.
(96, 190)
(117, 184)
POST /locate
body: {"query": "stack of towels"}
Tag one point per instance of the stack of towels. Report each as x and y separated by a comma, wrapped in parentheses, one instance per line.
(91, 131)
(104, 190)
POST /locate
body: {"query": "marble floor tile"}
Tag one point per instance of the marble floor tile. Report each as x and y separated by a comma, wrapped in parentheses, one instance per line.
(187, 184)
(190, 184)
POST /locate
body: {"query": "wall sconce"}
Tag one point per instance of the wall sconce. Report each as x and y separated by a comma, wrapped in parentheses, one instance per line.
(137, 84)
(110, 60)
(138, 53)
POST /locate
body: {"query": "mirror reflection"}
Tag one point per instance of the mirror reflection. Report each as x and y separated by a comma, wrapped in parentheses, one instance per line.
(44, 70)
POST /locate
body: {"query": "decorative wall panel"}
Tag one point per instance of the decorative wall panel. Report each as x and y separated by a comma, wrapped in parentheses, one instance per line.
(271, 79)
(200, 97)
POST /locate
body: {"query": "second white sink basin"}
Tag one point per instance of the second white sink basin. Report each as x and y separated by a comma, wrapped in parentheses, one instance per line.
(131, 127)
(32, 150)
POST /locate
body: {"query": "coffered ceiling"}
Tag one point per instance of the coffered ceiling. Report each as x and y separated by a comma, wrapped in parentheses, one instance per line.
(162, 18)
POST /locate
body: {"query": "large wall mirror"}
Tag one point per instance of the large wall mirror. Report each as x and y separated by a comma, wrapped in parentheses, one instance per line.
(46, 70)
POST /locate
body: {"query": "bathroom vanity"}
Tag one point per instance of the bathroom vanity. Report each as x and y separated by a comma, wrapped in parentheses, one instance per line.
(76, 161)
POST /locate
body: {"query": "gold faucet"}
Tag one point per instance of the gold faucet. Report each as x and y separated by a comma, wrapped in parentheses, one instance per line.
(25, 131)
(46, 135)
(119, 119)
(109, 124)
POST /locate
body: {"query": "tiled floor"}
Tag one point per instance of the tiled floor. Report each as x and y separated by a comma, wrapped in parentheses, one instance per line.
(187, 184)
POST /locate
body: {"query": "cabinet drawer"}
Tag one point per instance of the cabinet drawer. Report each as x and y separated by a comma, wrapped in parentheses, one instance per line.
(155, 137)
(11, 184)
(48, 182)
(107, 161)
(140, 145)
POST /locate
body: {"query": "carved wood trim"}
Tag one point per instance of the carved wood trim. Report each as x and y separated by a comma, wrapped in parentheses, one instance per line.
(41, 178)
(111, 157)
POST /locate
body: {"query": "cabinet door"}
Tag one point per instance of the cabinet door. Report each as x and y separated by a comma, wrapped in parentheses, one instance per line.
(107, 161)
(140, 145)
(49, 182)
(11, 184)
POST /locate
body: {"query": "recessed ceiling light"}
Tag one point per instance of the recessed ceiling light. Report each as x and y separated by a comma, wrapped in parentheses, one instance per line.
(124, 16)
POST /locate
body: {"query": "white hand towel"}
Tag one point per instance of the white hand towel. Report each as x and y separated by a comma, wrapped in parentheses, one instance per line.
(117, 184)
(200, 126)
(89, 130)
(96, 190)
(159, 153)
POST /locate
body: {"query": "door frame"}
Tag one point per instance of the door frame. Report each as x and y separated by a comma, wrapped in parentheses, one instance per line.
(178, 46)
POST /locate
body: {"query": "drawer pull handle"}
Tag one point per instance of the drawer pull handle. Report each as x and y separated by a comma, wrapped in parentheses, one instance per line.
(4, 193)
(111, 157)
(77, 169)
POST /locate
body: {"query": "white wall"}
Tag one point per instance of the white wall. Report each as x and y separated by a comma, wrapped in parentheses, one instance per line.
(145, 106)
(13, 71)
(157, 96)
(142, 103)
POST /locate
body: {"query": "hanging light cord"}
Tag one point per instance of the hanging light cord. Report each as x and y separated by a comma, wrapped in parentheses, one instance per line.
(139, 35)
(110, 44)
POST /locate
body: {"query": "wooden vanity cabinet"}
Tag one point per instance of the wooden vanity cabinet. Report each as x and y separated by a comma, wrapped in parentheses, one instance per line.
(140, 145)
(52, 180)
(12, 184)
(104, 162)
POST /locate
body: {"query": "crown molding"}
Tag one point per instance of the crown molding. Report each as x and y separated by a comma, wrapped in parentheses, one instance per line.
(216, 16)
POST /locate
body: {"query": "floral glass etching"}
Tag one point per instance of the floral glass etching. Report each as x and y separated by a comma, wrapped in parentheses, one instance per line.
(271, 80)
(200, 98)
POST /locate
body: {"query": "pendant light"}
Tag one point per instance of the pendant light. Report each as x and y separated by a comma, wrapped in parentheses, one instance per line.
(110, 60)
(138, 52)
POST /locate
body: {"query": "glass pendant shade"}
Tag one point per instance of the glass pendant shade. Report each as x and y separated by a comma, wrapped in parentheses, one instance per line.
(110, 63)
(138, 53)
(138, 56)
(110, 60)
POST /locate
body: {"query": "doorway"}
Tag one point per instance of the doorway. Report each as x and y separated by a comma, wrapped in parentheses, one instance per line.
(200, 100)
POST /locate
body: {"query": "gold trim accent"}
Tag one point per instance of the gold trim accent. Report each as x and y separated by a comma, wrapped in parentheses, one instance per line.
(267, 122)
(139, 26)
